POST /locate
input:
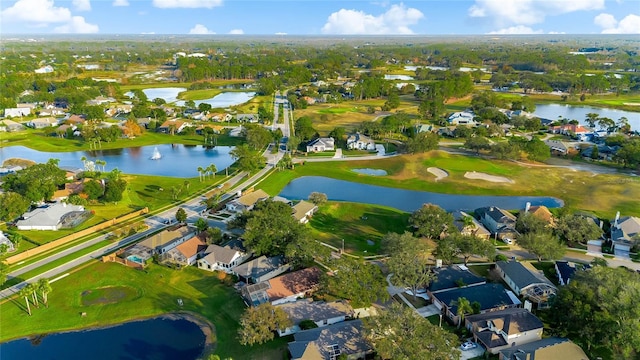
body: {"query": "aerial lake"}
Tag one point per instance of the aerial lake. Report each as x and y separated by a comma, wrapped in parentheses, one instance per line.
(406, 200)
(176, 160)
(398, 77)
(223, 100)
(555, 111)
(158, 338)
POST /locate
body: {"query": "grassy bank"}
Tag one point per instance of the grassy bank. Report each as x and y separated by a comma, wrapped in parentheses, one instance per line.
(202, 292)
(43, 141)
(356, 224)
(602, 194)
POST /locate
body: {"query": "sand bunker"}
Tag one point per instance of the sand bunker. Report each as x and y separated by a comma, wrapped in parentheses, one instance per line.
(439, 173)
(487, 177)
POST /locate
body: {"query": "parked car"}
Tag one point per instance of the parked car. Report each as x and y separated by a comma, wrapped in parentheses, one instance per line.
(468, 345)
(507, 241)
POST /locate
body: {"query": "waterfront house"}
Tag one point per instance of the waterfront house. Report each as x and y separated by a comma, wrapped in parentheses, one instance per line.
(303, 211)
(223, 258)
(321, 144)
(501, 223)
(42, 123)
(474, 227)
(358, 141)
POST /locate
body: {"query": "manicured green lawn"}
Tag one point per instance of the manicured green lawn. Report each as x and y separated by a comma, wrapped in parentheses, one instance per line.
(356, 223)
(601, 194)
(150, 293)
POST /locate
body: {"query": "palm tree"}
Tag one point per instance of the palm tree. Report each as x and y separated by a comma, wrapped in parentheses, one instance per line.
(213, 169)
(33, 289)
(464, 307)
(45, 289)
(200, 172)
(25, 292)
(101, 162)
(186, 184)
(84, 162)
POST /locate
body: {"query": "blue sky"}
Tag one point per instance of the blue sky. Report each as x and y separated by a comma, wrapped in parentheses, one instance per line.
(320, 17)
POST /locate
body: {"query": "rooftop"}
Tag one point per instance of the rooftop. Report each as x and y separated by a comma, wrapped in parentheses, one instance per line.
(259, 267)
(165, 237)
(450, 278)
(301, 209)
(253, 197)
(329, 341)
(293, 283)
(191, 247)
(221, 254)
(50, 215)
(488, 295)
(307, 309)
(546, 349)
(510, 321)
(521, 275)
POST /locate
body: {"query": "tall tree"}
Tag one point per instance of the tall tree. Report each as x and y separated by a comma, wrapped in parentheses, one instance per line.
(544, 245)
(431, 221)
(577, 229)
(397, 333)
(469, 245)
(181, 215)
(25, 292)
(258, 324)
(247, 159)
(354, 279)
(408, 261)
(600, 306)
(44, 287)
(463, 307)
(12, 205)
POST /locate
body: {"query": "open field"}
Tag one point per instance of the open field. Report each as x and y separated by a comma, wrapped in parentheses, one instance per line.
(148, 293)
(601, 194)
(355, 224)
(39, 140)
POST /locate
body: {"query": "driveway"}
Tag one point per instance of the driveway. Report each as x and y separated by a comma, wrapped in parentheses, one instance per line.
(473, 353)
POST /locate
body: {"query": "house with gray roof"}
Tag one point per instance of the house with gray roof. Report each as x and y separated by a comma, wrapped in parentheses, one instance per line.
(623, 232)
(42, 123)
(566, 270)
(248, 118)
(320, 312)
(490, 297)
(500, 222)
(358, 141)
(552, 348)
(222, 258)
(497, 330)
(474, 228)
(527, 281)
(261, 269)
(453, 277)
(51, 217)
(10, 125)
(321, 144)
(4, 240)
(331, 341)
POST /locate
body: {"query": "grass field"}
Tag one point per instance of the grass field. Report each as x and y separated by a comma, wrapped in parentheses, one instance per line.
(356, 223)
(601, 194)
(149, 293)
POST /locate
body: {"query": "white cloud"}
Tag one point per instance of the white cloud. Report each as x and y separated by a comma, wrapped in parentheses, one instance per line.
(121, 3)
(35, 12)
(528, 12)
(396, 20)
(82, 5)
(236, 32)
(200, 29)
(166, 4)
(514, 30)
(280, 33)
(77, 25)
(629, 25)
(556, 32)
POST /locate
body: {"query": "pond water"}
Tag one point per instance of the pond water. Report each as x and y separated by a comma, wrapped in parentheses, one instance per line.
(224, 100)
(406, 200)
(398, 77)
(374, 172)
(169, 94)
(176, 160)
(555, 111)
(157, 338)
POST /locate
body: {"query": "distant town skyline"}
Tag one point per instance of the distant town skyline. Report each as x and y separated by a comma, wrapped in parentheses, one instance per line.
(320, 17)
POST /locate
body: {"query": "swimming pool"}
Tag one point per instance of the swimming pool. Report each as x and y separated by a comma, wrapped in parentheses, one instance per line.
(136, 259)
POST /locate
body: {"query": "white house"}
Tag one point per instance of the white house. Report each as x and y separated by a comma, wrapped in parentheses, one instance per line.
(246, 201)
(320, 312)
(261, 269)
(187, 252)
(42, 123)
(50, 217)
(17, 112)
(498, 330)
(44, 70)
(222, 258)
(461, 118)
(10, 126)
(5, 241)
(358, 141)
(167, 239)
(303, 211)
(321, 144)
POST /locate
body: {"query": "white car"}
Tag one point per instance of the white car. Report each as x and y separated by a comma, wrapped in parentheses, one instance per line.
(468, 345)
(507, 241)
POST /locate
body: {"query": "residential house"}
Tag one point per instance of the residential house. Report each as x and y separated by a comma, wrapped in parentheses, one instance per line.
(358, 141)
(420, 128)
(174, 125)
(261, 269)
(572, 130)
(50, 217)
(219, 117)
(500, 222)
(44, 70)
(321, 144)
(216, 129)
(527, 281)
(541, 212)
(330, 342)
(320, 312)
(167, 239)
(100, 100)
(309, 100)
(284, 288)
(303, 211)
(10, 126)
(70, 188)
(545, 349)
(474, 227)
(223, 258)
(462, 118)
(502, 329)
(491, 297)
(624, 231)
(186, 253)
(605, 152)
(17, 112)
(565, 270)
(248, 118)
(42, 123)
(4, 241)
(247, 201)
(557, 147)
(453, 277)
